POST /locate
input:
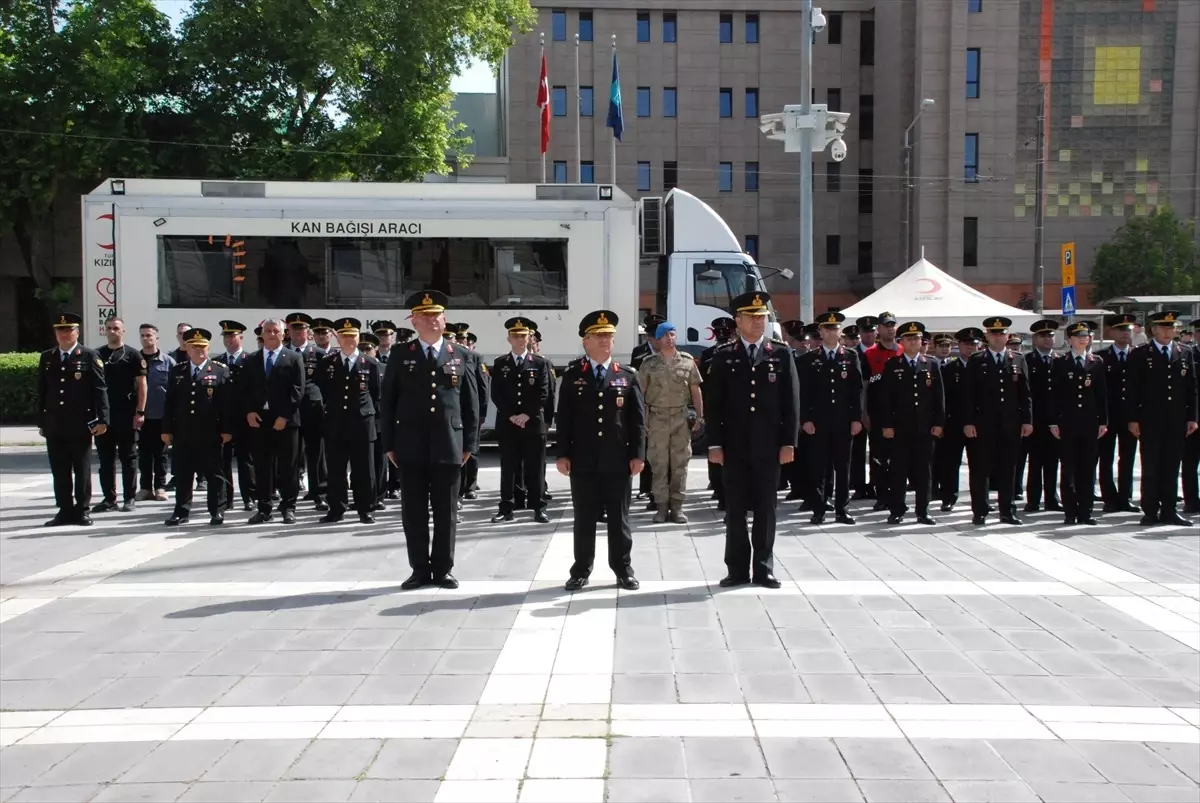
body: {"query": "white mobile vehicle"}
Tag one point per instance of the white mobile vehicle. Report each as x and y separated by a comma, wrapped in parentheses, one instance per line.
(166, 251)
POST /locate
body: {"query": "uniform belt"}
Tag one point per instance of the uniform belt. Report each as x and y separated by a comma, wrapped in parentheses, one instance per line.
(661, 407)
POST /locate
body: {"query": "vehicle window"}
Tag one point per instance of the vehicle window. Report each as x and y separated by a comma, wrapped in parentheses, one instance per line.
(716, 284)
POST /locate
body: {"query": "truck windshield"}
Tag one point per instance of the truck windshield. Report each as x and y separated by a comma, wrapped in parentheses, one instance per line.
(716, 284)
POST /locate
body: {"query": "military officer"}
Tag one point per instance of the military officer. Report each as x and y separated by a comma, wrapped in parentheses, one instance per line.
(670, 380)
(753, 426)
(641, 352)
(322, 334)
(242, 445)
(1116, 495)
(312, 410)
(551, 401)
(601, 444)
(948, 450)
(519, 389)
(864, 335)
(72, 403)
(368, 342)
(996, 415)
(1162, 392)
(430, 429)
(876, 356)
(1079, 420)
(196, 423)
(723, 329)
(469, 486)
(1041, 448)
(1191, 445)
(125, 374)
(350, 386)
(831, 416)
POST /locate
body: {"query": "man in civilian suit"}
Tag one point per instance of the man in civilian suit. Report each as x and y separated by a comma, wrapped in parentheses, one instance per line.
(274, 386)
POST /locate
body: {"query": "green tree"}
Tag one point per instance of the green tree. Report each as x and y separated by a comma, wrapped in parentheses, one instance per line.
(1152, 255)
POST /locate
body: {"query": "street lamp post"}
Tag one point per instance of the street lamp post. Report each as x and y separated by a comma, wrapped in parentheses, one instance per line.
(908, 189)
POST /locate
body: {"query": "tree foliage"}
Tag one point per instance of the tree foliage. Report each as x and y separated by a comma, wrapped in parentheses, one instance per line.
(1152, 255)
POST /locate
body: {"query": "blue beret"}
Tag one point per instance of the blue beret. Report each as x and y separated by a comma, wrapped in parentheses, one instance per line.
(663, 328)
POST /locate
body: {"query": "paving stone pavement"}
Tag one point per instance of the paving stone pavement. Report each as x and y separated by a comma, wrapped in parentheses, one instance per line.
(909, 663)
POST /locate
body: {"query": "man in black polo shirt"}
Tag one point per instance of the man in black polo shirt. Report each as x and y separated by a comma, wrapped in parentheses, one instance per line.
(125, 372)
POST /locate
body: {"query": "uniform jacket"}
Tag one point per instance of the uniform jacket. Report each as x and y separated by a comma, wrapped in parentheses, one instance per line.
(995, 398)
(430, 409)
(668, 384)
(1116, 382)
(351, 398)
(754, 406)
(640, 352)
(524, 390)
(953, 369)
(830, 391)
(1039, 370)
(601, 424)
(912, 400)
(198, 410)
(1079, 398)
(1162, 393)
(482, 381)
(72, 395)
(312, 354)
(277, 396)
(551, 404)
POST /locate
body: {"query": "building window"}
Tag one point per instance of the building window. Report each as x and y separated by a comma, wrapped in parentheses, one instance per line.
(751, 176)
(833, 177)
(726, 29)
(974, 6)
(866, 43)
(587, 172)
(866, 192)
(560, 172)
(669, 101)
(833, 27)
(752, 102)
(833, 249)
(558, 101)
(586, 101)
(970, 242)
(558, 25)
(833, 99)
(752, 29)
(585, 26)
(971, 158)
(643, 101)
(726, 102)
(973, 72)
(668, 26)
(752, 246)
(670, 175)
(643, 26)
(643, 176)
(725, 177)
(866, 117)
(866, 256)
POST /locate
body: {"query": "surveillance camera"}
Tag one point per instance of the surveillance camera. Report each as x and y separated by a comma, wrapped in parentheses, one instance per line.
(837, 149)
(818, 20)
(769, 123)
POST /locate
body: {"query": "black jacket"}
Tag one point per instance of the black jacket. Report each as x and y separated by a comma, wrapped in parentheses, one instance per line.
(71, 396)
(601, 424)
(753, 406)
(830, 392)
(277, 396)
(1039, 369)
(1162, 393)
(198, 410)
(430, 410)
(995, 397)
(1116, 384)
(523, 390)
(312, 356)
(1080, 398)
(912, 401)
(351, 399)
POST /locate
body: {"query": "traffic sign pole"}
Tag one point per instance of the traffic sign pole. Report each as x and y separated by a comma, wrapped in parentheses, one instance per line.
(1068, 280)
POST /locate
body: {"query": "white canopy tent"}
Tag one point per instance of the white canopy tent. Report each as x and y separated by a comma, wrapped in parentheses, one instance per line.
(928, 294)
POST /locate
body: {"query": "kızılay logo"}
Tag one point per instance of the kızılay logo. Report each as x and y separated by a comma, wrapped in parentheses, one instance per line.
(106, 246)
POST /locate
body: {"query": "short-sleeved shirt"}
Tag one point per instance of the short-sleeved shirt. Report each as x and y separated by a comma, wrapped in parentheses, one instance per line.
(121, 367)
(668, 382)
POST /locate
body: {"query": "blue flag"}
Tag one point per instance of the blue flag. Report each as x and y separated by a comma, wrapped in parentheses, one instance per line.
(616, 120)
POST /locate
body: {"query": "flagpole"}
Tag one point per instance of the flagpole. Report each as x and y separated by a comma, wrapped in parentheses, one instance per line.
(578, 114)
(542, 37)
(613, 140)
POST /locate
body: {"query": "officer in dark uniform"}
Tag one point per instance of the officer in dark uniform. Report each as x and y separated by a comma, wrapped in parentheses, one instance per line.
(242, 445)
(1014, 347)
(551, 403)
(911, 414)
(322, 330)
(1041, 448)
(469, 486)
(1079, 420)
(601, 445)
(1162, 393)
(350, 385)
(125, 374)
(863, 487)
(368, 343)
(723, 329)
(754, 420)
(948, 450)
(519, 388)
(1118, 441)
(196, 422)
(830, 415)
(430, 428)
(641, 352)
(1191, 445)
(386, 336)
(72, 403)
(312, 411)
(996, 415)
(795, 476)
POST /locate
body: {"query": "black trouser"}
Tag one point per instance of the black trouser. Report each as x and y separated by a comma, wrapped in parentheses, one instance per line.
(152, 456)
(203, 459)
(912, 457)
(591, 493)
(1042, 449)
(424, 486)
(1120, 440)
(646, 481)
(750, 485)
(1077, 450)
(881, 451)
(858, 464)
(470, 476)
(829, 453)
(947, 463)
(275, 465)
(1161, 452)
(1191, 471)
(312, 435)
(71, 468)
(992, 459)
(383, 468)
(359, 455)
(240, 448)
(716, 475)
(522, 454)
(393, 477)
(114, 444)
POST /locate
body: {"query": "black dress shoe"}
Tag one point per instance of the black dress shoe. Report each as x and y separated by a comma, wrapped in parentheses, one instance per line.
(895, 519)
(366, 518)
(60, 520)
(499, 517)
(104, 507)
(1148, 520)
(721, 506)
(549, 497)
(651, 505)
(926, 520)
(979, 521)
(380, 506)
(248, 506)
(175, 521)
(879, 507)
(628, 582)
(84, 520)
(393, 494)
(1129, 507)
(321, 506)
(1010, 518)
(470, 495)
(541, 517)
(731, 580)
(1054, 506)
(947, 507)
(1031, 508)
(445, 581)
(844, 518)
(1174, 518)
(415, 580)
(128, 506)
(332, 517)
(603, 517)
(576, 583)
(767, 581)
(289, 517)
(793, 496)
(260, 518)
(817, 518)
(216, 520)
(1068, 521)
(1088, 520)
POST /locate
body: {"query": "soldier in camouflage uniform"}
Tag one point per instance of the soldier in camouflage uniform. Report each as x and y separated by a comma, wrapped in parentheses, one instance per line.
(670, 379)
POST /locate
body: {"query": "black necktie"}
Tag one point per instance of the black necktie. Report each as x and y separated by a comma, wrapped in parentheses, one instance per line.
(1166, 352)
(347, 365)
(429, 353)
(1079, 360)
(520, 362)
(1121, 356)
(195, 371)
(750, 350)
(600, 373)
(65, 356)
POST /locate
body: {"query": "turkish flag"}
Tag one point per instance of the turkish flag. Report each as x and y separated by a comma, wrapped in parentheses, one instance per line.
(543, 102)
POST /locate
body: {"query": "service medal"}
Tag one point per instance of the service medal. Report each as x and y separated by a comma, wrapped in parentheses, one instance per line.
(620, 402)
(210, 392)
(78, 375)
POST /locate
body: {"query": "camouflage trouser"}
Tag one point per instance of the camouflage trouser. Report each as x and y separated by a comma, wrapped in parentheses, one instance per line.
(668, 449)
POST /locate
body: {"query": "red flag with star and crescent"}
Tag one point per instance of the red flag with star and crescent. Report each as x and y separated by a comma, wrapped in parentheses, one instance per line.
(543, 102)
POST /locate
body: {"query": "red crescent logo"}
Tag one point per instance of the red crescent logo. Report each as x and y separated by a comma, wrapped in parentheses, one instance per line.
(935, 286)
(711, 334)
(106, 246)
